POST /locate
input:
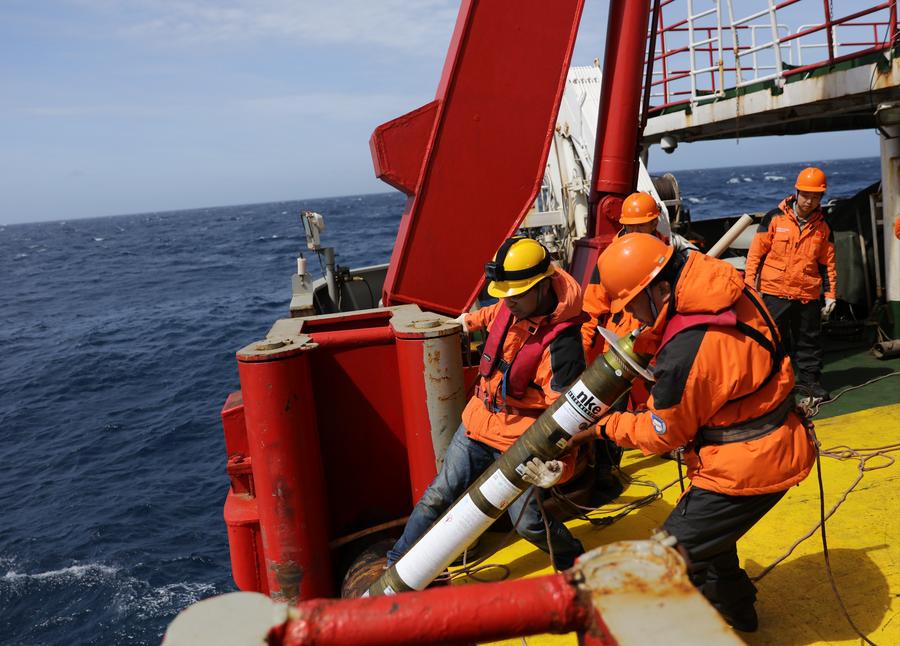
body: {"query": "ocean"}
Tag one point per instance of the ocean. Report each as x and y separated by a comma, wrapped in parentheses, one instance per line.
(119, 336)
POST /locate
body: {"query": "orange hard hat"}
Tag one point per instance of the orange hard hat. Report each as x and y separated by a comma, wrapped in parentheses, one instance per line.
(639, 208)
(811, 179)
(629, 265)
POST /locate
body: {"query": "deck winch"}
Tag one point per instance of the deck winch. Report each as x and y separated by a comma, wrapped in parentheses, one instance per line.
(583, 404)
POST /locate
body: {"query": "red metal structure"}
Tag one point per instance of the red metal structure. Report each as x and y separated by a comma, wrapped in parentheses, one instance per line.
(550, 604)
(473, 159)
(341, 418)
(615, 152)
(321, 445)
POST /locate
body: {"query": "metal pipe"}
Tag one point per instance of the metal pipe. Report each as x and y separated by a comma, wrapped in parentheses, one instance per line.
(585, 402)
(826, 4)
(615, 166)
(864, 257)
(730, 236)
(330, 279)
(288, 473)
(455, 614)
(876, 252)
(648, 76)
(432, 391)
(353, 338)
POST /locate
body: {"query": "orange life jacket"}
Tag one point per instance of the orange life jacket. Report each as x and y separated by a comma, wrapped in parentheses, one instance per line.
(497, 418)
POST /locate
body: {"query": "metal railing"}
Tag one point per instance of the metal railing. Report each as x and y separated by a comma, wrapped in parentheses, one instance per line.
(709, 50)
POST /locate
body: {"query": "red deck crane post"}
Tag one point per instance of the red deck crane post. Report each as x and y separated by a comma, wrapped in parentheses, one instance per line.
(615, 152)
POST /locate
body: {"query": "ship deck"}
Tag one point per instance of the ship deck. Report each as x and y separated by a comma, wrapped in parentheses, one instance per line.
(796, 603)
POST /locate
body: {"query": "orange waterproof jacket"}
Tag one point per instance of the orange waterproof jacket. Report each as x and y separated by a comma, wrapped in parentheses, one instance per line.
(720, 376)
(792, 263)
(596, 306)
(561, 363)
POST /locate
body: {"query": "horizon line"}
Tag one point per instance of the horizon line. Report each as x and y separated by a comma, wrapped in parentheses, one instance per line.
(347, 195)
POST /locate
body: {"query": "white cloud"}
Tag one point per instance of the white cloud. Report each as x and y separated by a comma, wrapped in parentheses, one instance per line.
(398, 24)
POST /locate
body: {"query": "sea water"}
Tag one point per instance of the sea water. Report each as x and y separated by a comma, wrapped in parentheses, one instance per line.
(118, 337)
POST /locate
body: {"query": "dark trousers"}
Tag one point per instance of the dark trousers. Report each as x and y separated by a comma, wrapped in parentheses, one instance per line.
(800, 326)
(465, 460)
(708, 525)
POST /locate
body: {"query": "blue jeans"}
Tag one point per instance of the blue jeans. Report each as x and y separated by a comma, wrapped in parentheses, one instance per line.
(464, 462)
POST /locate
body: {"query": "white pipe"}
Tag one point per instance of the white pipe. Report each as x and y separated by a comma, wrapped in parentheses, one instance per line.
(730, 236)
(330, 280)
(875, 250)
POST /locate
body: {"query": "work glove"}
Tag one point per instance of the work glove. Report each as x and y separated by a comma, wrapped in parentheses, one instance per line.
(542, 474)
(828, 308)
(461, 319)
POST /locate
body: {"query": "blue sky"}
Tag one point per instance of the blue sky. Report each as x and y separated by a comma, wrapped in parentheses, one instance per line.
(125, 106)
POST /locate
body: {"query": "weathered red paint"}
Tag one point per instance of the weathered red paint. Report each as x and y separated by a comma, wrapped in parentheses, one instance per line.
(245, 543)
(419, 449)
(359, 420)
(496, 109)
(455, 614)
(287, 473)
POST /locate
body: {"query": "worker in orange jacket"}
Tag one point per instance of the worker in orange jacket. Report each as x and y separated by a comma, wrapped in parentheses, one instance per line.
(640, 214)
(723, 392)
(532, 354)
(790, 260)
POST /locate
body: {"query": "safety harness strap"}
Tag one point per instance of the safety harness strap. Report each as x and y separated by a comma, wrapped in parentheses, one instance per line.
(750, 429)
(493, 346)
(485, 397)
(519, 372)
(681, 322)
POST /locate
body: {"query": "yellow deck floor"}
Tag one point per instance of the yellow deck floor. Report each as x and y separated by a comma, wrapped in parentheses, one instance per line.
(795, 602)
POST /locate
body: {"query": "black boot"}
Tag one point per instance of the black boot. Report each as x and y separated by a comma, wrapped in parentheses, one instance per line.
(743, 618)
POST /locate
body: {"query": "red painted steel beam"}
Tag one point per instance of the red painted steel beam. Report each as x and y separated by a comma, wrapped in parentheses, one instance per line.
(473, 160)
(615, 152)
(454, 614)
(615, 161)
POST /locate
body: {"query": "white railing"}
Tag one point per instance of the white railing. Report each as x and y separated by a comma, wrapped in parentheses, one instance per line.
(709, 49)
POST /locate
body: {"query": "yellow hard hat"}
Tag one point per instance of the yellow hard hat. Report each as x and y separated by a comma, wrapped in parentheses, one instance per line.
(520, 264)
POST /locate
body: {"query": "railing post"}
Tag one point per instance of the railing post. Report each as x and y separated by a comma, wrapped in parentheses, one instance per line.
(828, 32)
(665, 59)
(892, 22)
(690, 21)
(776, 44)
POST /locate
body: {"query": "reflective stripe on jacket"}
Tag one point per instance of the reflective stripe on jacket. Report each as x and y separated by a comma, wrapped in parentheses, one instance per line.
(561, 363)
(792, 263)
(719, 376)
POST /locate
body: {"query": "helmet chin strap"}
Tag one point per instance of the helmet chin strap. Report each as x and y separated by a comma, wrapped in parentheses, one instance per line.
(654, 311)
(657, 313)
